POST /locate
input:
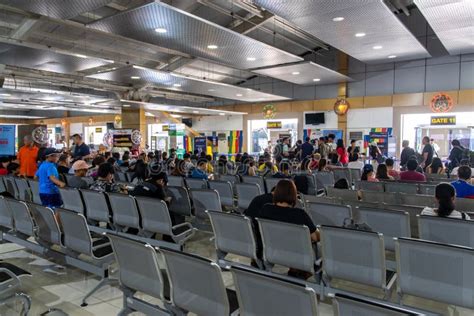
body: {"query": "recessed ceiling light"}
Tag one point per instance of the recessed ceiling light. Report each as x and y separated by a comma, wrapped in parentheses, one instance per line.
(195, 112)
(212, 46)
(392, 56)
(211, 90)
(377, 47)
(110, 61)
(134, 77)
(126, 105)
(316, 79)
(222, 114)
(5, 95)
(248, 89)
(295, 73)
(160, 30)
(359, 34)
(177, 85)
(239, 95)
(175, 115)
(338, 19)
(80, 56)
(251, 58)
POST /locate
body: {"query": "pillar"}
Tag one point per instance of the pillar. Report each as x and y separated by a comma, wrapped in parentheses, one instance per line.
(134, 118)
(342, 61)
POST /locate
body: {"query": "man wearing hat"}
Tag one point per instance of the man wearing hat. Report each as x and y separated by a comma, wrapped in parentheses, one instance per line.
(48, 177)
(80, 168)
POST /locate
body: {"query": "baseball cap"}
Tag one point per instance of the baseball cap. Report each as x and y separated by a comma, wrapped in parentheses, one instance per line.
(50, 151)
(80, 164)
(368, 168)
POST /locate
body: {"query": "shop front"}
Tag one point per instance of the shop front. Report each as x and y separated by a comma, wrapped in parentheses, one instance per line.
(261, 132)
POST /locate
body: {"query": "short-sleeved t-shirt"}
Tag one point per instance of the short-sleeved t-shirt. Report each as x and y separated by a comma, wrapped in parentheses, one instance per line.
(81, 151)
(46, 186)
(428, 149)
(412, 176)
(463, 189)
(343, 153)
(28, 156)
(257, 204)
(289, 215)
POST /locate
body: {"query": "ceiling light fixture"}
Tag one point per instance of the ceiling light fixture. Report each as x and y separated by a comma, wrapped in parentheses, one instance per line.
(212, 46)
(177, 85)
(211, 90)
(316, 79)
(110, 61)
(392, 56)
(377, 47)
(161, 30)
(126, 105)
(80, 56)
(135, 77)
(338, 19)
(222, 114)
(175, 115)
(195, 112)
(251, 58)
(5, 95)
(359, 34)
(239, 95)
(295, 73)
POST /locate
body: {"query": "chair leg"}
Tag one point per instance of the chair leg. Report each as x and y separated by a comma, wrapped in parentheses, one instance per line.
(23, 298)
(102, 283)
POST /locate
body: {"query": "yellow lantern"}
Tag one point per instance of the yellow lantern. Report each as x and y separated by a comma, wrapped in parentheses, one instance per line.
(341, 106)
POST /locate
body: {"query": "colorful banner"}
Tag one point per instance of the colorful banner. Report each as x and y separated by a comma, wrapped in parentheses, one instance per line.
(188, 143)
(380, 136)
(235, 141)
(7, 140)
(200, 144)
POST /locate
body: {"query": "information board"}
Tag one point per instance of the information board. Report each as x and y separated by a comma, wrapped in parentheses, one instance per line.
(7, 140)
(122, 138)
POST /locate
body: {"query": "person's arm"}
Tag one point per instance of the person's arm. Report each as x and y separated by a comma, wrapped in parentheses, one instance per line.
(56, 181)
(315, 236)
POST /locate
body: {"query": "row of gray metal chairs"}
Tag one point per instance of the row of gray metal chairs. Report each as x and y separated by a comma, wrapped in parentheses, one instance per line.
(397, 187)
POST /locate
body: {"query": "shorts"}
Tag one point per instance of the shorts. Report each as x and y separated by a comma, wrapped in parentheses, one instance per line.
(51, 200)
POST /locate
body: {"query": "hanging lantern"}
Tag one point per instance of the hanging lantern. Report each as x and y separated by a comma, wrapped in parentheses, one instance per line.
(63, 122)
(118, 121)
(91, 120)
(341, 106)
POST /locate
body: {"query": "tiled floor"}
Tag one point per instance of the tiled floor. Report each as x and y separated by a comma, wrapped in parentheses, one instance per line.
(63, 289)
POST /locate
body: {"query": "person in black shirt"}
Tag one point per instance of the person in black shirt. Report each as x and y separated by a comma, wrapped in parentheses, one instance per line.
(63, 164)
(427, 153)
(257, 204)
(353, 151)
(406, 154)
(81, 150)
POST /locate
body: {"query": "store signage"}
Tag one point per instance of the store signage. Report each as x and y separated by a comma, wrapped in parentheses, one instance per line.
(122, 137)
(98, 129)
(165, 128)
(274, 124)
(7, 140)
(443, 120)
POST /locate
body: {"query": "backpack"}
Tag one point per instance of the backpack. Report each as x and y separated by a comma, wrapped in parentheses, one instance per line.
(351, 224)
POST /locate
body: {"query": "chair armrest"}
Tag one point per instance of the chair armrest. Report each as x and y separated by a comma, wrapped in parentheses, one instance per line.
(190, 232)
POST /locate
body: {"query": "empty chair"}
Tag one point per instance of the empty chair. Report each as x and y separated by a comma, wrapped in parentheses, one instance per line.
(329, 214)
(6, 216)
(48, 229)
(370, 186)
(380, 197)
(346, 305)
(24, 191)
(342, 173)
(356, 174)
(156, 219)
(418, 200)
(270, 183)
(124, 211)
(11, 186)
(78, 239)
(324, 179)
(464, 205)
(139, 270)
(345, 195)
(34, 186)
(225, 190)
(233, 234)
(245, 193)
(408, 188)
(446, 230)
(428, 269)
(67, 177)
(196, 183)
(21, 216)
(295, 250)
(311, 184)
(180, 201)
(356, 256)
(10, 282)
(255, 290)
(388, 222)
(97, 208)
(3, 188)
(197, 285)
(176, 181)
(72, 199)
(204, 200)
(255, 180)
(230, 178)
(427, 189)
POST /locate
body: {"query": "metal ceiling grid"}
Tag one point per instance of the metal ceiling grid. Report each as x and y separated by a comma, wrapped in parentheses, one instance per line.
(46, 60)
(305, 73)
(452, 21)
(382, 29)
(202, 69)
(59, 9)
(192, 35)
(179, 83)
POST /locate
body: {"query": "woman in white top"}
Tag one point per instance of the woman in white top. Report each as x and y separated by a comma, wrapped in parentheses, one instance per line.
(445, 195)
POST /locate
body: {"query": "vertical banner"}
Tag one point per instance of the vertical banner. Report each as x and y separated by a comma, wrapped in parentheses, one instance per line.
(7, 140)
(200, 144)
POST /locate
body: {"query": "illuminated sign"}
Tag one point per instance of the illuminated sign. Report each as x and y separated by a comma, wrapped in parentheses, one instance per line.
(275, 124)
(443, 120)
(165, 128)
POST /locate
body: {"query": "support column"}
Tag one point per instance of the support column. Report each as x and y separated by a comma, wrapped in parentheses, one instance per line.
(135, 119)
(343, 61)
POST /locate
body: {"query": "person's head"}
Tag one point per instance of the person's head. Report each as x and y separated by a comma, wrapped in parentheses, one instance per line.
(389, 163)
(63, 160)
(77, 139)
(340, 143)
(405, 143)
(382, 172)
(412, 164)
(209, 158)
(142, 156)
(286, 140)
(455, 142)
(284, 167)
(80, 168)
(107, 155)
(299, 142)
(285, 193)
(307, 139)
(51, 155)
(223, 158)
(317, 156)
(28, 140)
(187, 157)
(4, 161)
(13, 168)
(445, 194)
(341, 184)
(367, 172)
(106, 172)
(432, 140)
(321, 140)
(353, 142)
(465, 162)
(436, 165)
(331, 138)
(157, 175)
(202, 164)
(164, 155)
(322, 164)
(426, 140)
(269, 165)
(116, 156)
(126, 156)
(111, 161)
(464, 173)
(150, 156)
(141, 170)
(97, 161)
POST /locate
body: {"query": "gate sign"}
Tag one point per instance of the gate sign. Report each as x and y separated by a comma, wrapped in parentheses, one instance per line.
(274, 124)
(7, 140)
(443, 120)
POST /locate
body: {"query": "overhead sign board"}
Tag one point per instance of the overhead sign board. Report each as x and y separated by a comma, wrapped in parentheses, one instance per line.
(443, 120)
(274, 124)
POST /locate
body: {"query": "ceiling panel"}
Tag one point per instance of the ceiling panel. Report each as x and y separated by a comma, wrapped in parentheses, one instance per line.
(21, 56)
(175, 82)
(452, 21)
(60, 9)
(192, 35)
(371, 17)
(306, 73)
(177, 108)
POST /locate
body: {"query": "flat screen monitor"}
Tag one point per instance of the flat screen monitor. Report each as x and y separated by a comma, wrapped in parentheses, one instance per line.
(314, 118)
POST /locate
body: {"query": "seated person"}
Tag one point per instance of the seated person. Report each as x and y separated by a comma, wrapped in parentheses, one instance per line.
(13, 169)
(105, 180)
(355, 164)
(445, 195)
(390, 167)
(323, 167)
(382, 173)
(200, 171)
(80, 168)
(313, 165)
(368, 174)
(341, 184)
(411, 174)
(436, 167)
(63, 164)
(464, 162)
(4, 161)
(463, 188)
(284, 172)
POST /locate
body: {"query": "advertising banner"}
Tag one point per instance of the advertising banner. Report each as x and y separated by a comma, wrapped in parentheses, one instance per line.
(7, 140)
(200, 144)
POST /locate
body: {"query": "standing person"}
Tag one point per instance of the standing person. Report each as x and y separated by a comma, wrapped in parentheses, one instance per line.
(435, 147)
(306, 149)
(330, 142)
(406, 154)
(286, 148)
(427, 153)
(374, 152)
(48, 178)
(81, 150)
(353, 151)
(28, 157)
(456, 155)
(341, 153)
(323, 148)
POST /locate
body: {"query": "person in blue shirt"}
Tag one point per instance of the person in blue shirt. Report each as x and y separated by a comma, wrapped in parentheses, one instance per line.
(462, 186)
(48, 177)
(200, 171)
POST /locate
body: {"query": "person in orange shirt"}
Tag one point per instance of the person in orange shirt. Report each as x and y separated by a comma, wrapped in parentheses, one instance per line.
(27, 157)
